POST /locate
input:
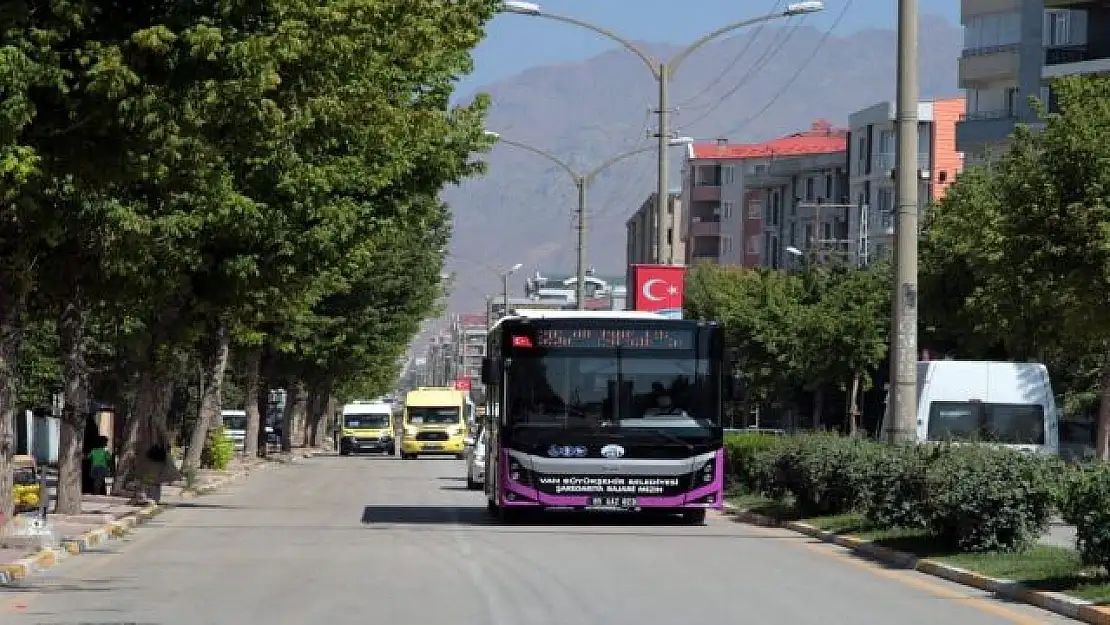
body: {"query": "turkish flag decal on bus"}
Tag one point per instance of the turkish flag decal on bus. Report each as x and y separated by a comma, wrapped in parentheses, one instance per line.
(658, 289)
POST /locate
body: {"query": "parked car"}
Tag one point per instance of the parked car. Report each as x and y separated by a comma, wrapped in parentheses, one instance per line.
(476, 460)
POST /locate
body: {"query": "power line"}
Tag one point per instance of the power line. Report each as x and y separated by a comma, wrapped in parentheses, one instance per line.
(753, 69)
(732, 63)
(782, 91)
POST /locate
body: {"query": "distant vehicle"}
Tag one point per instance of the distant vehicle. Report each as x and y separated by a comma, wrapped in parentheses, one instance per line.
(604, 410)
(476, 459)
(366, 426)
(1009, 404)
(434, 423)
(235, 427)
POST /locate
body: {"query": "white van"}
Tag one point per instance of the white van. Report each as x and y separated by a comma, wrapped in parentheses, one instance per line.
(1002, 403)
(235, 426)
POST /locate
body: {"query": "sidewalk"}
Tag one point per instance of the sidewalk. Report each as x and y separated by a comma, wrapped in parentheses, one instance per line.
(103, 518)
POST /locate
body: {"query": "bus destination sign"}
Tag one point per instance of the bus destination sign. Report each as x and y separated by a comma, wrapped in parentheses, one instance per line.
(627, 338)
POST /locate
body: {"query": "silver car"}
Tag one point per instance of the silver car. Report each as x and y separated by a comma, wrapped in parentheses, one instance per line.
(476, 461)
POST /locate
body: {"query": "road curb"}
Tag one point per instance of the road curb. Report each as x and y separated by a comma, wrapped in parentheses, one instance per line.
(47, 558)
(219, 483)
(1058, 603)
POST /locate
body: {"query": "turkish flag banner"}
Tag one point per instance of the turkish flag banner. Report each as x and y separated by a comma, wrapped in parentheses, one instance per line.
(658, 289)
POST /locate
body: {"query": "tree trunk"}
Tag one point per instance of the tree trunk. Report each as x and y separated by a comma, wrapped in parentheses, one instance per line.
(262, 404)
(853, 406)
(316, 426)
(216, 356)
(252, 362)
(146, 424)
(818, 408)
(300, 414)
(75, 414)
(11, 335)
(1102, 438)
(295, 396)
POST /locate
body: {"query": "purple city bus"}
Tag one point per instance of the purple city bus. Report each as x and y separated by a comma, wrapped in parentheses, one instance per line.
(605, 410)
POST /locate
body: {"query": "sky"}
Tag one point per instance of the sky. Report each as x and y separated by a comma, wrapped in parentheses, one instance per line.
(515, 43)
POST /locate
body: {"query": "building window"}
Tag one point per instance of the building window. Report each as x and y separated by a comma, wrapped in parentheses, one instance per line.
(809, 235)
(727, 209)
(988, 32)
(828, 186)
(809, 189)
(670, 236)
(726, 245)
(755, 210)
(728, 174)
(708, 176)
(753, 244)
(1057, 29)
(793, 234)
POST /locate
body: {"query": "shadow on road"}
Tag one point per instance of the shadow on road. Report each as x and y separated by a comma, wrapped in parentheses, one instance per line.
(454, 487)
(470, 515)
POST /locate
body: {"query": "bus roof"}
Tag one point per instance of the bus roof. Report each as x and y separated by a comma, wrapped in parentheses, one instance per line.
(539, 313)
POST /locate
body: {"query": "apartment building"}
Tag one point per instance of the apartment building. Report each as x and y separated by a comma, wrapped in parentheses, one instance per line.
(1012, 48)
(1000, 68)
(469, 332)
(641, 235)
(1076, 37)
(871, 183)
(735, 204)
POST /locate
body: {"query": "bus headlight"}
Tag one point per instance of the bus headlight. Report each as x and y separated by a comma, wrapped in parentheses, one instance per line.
(707, 472)
(455, 430)
(411, 431)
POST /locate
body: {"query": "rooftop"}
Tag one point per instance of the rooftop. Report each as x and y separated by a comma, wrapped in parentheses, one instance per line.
(821, 138)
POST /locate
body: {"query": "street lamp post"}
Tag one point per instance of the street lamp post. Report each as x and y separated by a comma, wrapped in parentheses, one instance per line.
(663, 72)
(505, 284)
(582, 183)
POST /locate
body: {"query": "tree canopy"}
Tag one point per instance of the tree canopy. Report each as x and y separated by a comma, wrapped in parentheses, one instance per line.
(189, 187)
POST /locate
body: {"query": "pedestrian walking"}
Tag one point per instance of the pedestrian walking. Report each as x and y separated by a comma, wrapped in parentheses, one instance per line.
(100, 466)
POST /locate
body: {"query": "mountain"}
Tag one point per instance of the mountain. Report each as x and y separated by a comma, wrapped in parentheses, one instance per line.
(746, 88)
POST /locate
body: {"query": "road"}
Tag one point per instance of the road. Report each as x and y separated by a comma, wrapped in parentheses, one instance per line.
(381, 540)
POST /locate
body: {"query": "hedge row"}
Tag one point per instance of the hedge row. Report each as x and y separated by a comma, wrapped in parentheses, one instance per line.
(968, 497)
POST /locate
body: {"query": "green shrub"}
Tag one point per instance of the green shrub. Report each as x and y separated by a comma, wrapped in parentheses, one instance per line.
(218, 451)
(747, 455)
(983, 498)
(825, 473)
(894, 493)
(1073, 477)
(1090, 508)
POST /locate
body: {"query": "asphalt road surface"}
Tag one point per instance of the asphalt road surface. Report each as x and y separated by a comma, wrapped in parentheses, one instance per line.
(367, 539)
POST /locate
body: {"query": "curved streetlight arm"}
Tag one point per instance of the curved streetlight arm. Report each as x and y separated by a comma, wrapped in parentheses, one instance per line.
(589, 178)
(678, 59)
(548, 155)
(652, 64)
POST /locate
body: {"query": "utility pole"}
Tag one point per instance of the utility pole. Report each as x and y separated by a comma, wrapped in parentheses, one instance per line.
(505, 292)
(903, 360)
(580, 267)
(664, 136)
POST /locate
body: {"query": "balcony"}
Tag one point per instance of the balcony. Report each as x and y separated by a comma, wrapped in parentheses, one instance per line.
(884, 162)
(984, 127)
(1073, 60)
(974, 8)
(985, 65)
(705, 193)
(702, 228)
(706, 248)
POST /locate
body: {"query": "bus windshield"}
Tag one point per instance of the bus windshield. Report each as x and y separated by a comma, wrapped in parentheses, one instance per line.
(612, 391)
(433, 416)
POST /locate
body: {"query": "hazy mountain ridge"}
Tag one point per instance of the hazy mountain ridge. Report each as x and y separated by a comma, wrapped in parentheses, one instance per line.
(589, 111)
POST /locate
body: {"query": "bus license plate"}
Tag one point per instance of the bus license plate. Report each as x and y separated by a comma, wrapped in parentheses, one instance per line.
(613, 502)
(433, 447)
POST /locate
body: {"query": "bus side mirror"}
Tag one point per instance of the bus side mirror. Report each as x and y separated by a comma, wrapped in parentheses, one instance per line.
(487, 371)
